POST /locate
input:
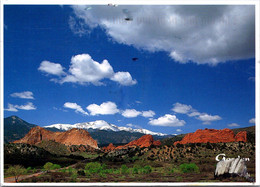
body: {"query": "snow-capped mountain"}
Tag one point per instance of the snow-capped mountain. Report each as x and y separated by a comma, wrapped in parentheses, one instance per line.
(101, 125)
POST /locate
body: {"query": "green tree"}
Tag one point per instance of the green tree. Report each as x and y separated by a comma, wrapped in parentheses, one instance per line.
(48, 166)
(16, 171)
(55, 166)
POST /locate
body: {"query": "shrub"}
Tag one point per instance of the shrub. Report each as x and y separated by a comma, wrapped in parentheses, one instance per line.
(124, 169)
(74, 177)
(94, 167)
(135, 170)
(103, 175)
(28, 169)
(107, 171)
(48, 166)
(189, 168)
(147, 169)
(116, 171)
(55, 166)
(72, 170)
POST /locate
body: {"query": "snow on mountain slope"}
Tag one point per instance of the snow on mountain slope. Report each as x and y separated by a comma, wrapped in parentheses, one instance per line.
(101, 125)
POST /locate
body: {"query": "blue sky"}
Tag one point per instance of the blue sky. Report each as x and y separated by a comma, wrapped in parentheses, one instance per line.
(66, 64)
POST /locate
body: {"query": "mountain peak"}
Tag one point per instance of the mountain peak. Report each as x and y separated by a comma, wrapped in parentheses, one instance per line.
(102, 125)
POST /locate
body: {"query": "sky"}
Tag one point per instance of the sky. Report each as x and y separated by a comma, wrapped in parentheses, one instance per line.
(169, 69)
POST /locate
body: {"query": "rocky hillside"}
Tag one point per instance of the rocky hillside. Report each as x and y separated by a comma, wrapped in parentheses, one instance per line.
(71, 137)
(15, 128)
(250, 133)
(213, 136)
(200, 151)
(144, 141)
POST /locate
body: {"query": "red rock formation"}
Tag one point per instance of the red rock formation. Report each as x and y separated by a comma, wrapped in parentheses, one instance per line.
(144, 141)
(110, 147)
(213, 136)
(241, 136)
(36, 135)
(70, 137)
(157, 143)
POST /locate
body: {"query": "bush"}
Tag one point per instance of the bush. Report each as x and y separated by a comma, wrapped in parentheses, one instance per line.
(116, 171)
(135, 170)
(107, 171)
(28, 169)
(74, 177)
(48, 166)
(55, 166)
(147, 169)
(70, 170)
(124, 169)
(189, 168)
(94, 167)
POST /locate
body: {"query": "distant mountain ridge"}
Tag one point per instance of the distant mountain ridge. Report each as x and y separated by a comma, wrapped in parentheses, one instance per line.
(15, 128)
(101, 125)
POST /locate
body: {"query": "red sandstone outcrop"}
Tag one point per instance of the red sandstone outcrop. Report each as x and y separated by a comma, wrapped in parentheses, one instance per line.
(70, 137)
(110, 147)
(241, 136)
(213, 136)
(157, 143)
(144, 141)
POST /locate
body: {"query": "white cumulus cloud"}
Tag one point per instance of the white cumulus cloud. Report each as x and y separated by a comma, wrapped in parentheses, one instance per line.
(204, 34)
(167, 120)
(23, 95)
(131, 113)
(207, 119)
(252, 120)
(123, 78)
(75, 107)
(178, 130)
(233, 125)
(191, 112)
(105, 108)
(51, 68)
(148, 114)
(28, 106)
(84, 70)
(181, 108)
(14, 108)
(11, 108)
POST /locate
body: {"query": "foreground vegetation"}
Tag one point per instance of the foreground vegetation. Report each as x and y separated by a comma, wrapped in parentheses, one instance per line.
(180, 163)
